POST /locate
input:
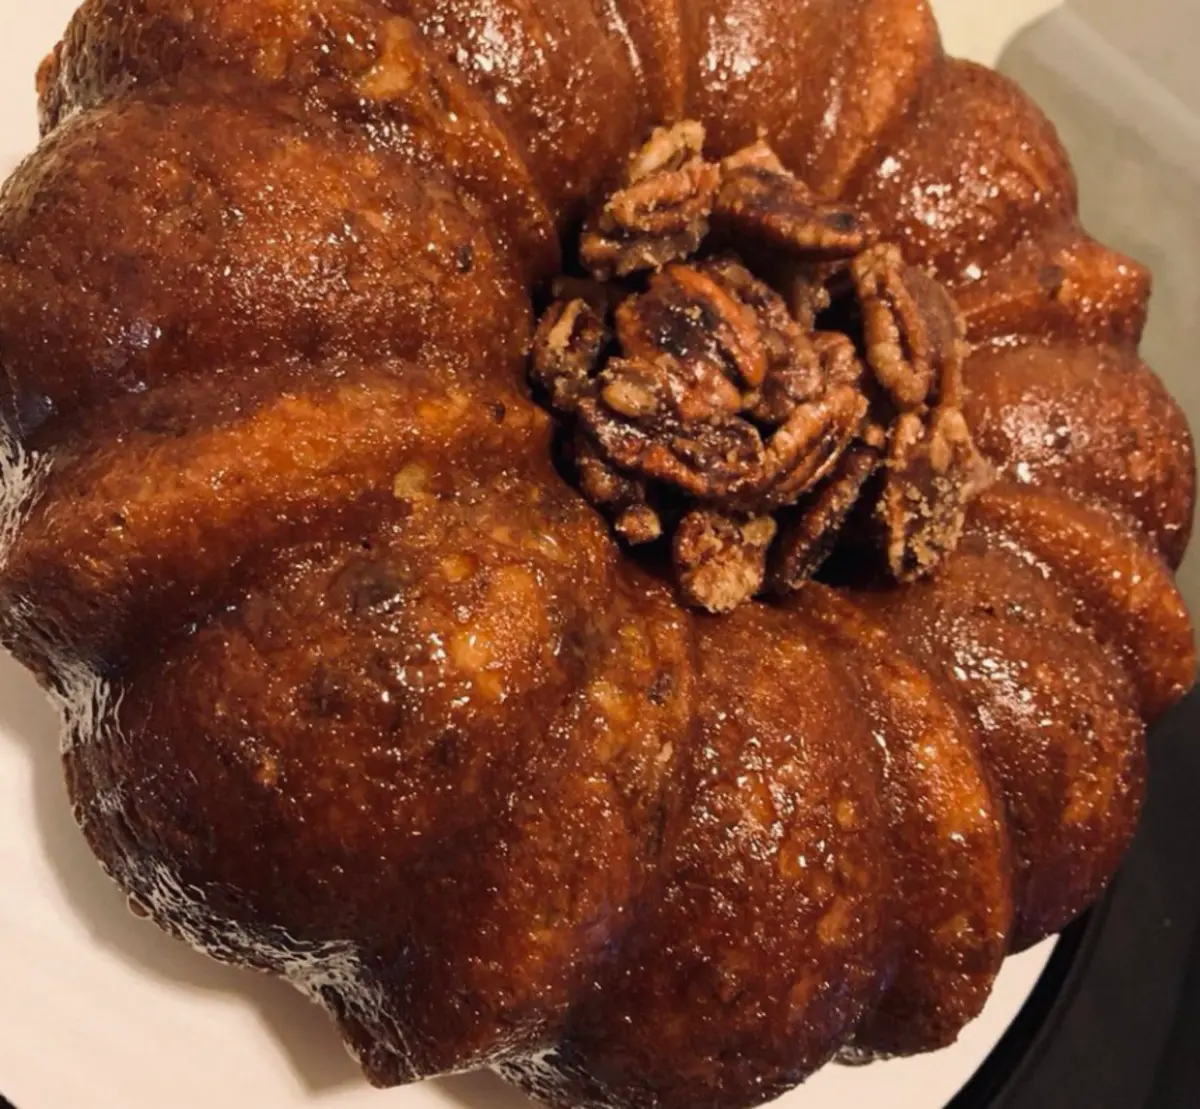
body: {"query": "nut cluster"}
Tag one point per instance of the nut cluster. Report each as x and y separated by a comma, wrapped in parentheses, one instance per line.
(749, 366)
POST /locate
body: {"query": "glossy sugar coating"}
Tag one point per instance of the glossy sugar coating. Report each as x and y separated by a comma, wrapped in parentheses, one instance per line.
(359, 691)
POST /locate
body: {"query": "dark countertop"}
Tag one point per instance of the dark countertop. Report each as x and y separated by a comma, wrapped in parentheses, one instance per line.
(1114, 1021)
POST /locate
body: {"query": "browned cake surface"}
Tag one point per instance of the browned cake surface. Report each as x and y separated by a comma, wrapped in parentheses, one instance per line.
(359, 690)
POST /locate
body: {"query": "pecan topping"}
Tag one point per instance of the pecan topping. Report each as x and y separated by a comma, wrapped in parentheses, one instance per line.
(718, 392)
(703, 397)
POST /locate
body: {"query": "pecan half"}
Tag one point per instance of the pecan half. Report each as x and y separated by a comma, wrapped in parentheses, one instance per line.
(661, 213)
(933, 473)
(788, 351)
(807, 447)
(808, 293)
(720, 561)
(690, 316)
(624, 496)
(913, 332)
(567, 347)
(716, 460)
(601, 482)
(759, 199)
(639, 524)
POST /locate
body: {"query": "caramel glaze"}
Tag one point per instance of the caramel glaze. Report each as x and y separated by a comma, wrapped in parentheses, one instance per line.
(358, 691)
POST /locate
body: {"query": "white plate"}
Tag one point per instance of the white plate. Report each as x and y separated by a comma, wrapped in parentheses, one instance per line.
(100, 1011)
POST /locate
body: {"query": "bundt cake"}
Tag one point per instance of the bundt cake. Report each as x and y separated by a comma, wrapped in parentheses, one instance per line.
(623, 541)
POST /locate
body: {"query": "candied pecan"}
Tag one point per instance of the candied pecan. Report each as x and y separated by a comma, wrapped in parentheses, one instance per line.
(757, 156)
(721, 561)
(688, 316)
(567, 346)
(760, 200)
(933, 473)
(949, 389)
(874, 435)
(668, 149)
(714, 460)
(661, 213)
(634, 389)
(811, 532)
(724, 460)
(839, 358)
(914, 333)
(784, 391)
(625, 497)
(785, 344)
(807, 447)
(821, 361)
(601, 482)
